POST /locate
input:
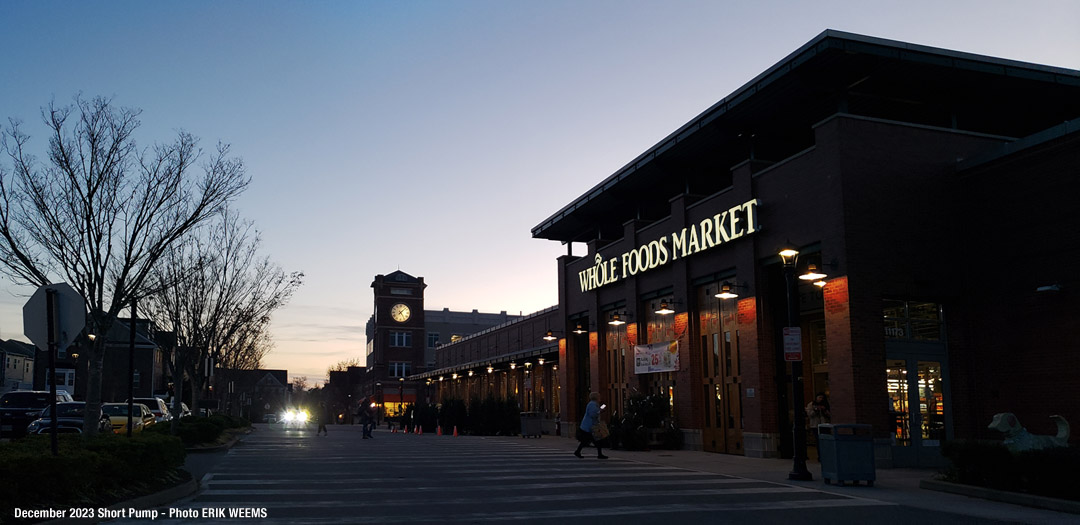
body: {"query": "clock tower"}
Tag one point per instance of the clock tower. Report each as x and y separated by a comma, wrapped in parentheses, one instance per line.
(396, 340)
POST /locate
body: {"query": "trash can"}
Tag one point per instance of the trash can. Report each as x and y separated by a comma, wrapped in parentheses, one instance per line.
(847, 453)
(530, 424)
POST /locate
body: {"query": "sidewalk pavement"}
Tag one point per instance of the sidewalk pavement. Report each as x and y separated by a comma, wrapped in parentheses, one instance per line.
(899, 485)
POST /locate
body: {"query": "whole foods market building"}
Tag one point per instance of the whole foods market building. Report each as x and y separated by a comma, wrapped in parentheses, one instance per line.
(905, 177)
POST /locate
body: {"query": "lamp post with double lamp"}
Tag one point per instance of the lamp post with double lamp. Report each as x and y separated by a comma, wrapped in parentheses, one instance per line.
(798, 472)
(401, 396)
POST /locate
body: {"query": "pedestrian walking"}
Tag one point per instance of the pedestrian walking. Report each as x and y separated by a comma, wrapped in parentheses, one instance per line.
(817, 413)
(367, 417)
(589, 422)
(323, 416)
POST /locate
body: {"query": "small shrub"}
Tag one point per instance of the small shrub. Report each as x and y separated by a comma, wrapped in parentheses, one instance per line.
(981, 463)
(1046, 472)
(1051, 472)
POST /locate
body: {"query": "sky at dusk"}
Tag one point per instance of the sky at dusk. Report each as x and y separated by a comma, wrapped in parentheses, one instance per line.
(431, 136)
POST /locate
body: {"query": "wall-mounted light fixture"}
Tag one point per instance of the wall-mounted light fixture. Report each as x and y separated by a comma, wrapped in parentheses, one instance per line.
(664, 309)
(616, 320)
(455, 376)
(579, 330)
(549, 336)
(540, 360)
(812, 273)
(470, 373)
(513, 365)
(490, 369)
(727, 291)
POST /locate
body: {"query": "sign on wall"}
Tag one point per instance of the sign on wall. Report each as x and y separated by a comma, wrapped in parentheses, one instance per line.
(656, 357)
(722, 228)
(792, 343)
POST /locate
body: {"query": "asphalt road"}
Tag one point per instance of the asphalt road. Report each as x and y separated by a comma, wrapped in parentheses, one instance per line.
(296, 477)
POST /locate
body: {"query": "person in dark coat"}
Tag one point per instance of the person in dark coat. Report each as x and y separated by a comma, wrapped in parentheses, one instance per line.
(323, 415)
(367, 417)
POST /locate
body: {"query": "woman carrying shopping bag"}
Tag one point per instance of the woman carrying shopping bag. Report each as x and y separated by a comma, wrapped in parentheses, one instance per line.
(592, 430)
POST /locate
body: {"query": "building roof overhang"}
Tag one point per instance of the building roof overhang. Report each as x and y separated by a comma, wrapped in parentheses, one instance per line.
(772, 117)
(480, 365)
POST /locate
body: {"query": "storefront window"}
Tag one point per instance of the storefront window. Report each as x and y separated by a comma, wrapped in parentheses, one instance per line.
(659, 328)
(912, 320)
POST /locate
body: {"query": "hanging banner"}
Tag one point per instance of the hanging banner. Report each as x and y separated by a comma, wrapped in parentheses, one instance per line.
(656, 357)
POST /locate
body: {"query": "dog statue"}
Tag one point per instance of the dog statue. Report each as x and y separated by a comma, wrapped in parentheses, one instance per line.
(1018, 439)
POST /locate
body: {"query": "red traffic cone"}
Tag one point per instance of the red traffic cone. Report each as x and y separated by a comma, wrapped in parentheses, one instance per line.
(419, 430)
(438, 430)
(455, 430)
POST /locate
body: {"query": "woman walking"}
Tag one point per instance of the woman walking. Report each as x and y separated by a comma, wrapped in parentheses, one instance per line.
(584, 431)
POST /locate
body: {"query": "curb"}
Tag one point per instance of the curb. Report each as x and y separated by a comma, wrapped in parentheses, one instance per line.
(218, 448)
(1015, 498)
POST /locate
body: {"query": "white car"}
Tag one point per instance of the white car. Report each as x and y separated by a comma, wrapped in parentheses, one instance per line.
(158, 407)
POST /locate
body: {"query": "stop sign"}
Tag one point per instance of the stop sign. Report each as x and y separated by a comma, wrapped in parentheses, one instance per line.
(70, 316)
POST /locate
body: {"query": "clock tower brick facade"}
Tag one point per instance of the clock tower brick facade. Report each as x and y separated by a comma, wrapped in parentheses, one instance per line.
(397, 348)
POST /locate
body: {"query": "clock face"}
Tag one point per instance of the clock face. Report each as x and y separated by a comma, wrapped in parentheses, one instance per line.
(400, 312)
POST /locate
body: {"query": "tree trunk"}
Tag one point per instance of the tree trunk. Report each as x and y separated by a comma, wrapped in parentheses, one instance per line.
(93, 388)
(176, 370)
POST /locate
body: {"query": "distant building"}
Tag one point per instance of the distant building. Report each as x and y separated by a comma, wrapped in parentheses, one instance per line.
(251, 393)
(402, 337)
(73, 365)
(18, 360)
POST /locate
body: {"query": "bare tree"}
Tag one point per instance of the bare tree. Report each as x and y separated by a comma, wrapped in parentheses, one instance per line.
(217, 294)
(343, 365)
(99, 212)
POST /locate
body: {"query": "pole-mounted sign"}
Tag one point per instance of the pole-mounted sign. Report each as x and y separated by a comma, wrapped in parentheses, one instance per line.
(53, 317)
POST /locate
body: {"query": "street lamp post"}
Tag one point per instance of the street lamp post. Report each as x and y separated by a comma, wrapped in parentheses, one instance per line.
(379, 400)
(401, 395)
(798, 470)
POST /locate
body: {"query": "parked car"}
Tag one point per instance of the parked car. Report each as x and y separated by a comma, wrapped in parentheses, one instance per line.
(157, 406)
(19, 408)
(69, 419)
(118, 416)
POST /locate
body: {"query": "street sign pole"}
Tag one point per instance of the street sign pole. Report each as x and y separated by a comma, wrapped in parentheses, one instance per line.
(50, 314)
(64, 320)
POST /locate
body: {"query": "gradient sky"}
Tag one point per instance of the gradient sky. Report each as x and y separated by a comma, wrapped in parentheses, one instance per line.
(432, 136)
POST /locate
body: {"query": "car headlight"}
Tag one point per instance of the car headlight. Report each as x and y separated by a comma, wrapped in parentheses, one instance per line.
(32, 428)
(287, 416)
(304, 416)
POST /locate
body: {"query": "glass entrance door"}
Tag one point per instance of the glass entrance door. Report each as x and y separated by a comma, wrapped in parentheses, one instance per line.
(918, 409)
(723, 423)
